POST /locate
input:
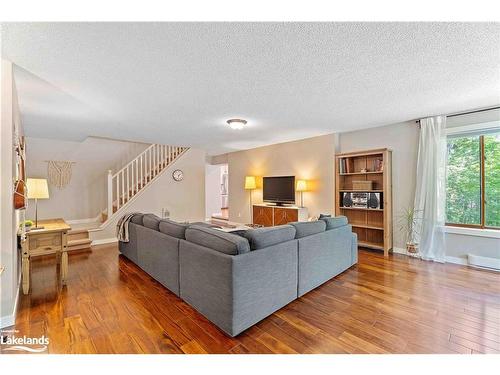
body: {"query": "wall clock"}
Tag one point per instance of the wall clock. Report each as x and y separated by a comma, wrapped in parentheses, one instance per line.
(178, 175)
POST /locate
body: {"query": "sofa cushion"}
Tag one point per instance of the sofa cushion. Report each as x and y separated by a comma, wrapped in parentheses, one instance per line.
(137, 219)
(151, 221)
(239, 232)
(206, 225)
(308, 228)
(321, 216)
(335, 222)
(173, 228)
(223, 242)
(264, 237)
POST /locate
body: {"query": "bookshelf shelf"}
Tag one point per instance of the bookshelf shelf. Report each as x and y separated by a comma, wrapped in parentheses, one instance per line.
(362, 209)
(357, 173)
(366, 226)
(372, 225)
(371, 245)
(361, 191)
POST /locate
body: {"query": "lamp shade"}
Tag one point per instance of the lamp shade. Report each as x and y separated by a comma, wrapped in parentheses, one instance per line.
(37, 188)
(301, 185)
(250, 183)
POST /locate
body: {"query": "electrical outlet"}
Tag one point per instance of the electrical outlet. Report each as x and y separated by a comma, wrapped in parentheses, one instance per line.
(239, 214)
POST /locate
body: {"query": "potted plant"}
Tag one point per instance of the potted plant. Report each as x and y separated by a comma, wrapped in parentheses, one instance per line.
(27, 224)
(409, 225)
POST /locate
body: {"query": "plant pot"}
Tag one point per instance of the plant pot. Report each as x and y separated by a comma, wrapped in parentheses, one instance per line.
(412, 248)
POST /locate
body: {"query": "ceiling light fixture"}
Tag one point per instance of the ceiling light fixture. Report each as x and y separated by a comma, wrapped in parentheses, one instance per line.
(236, 123)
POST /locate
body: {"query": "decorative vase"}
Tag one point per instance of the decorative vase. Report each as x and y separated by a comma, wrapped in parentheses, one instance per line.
(411, 248)
(347, 200)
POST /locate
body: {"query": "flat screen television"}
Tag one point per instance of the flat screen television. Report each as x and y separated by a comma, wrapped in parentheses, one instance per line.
(279, 190)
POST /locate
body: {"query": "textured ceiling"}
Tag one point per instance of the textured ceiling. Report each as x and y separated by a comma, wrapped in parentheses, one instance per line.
(177, 83)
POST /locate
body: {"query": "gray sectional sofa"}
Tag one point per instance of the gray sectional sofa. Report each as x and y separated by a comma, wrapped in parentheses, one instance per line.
(236, 280)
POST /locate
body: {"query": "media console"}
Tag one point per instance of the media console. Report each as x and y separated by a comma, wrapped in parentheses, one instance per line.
(269, 216)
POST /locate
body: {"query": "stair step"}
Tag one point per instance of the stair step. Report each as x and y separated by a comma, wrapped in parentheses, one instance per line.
(77, 231)
(79, 242)
(78, 234)
(83, 243)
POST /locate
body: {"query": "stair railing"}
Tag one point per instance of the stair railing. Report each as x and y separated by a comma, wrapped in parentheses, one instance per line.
(134, 176)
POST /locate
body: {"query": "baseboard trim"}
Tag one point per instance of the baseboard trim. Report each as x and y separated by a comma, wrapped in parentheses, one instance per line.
(399, 250)
(104, 241)
(10, 320)
(456, 260)
(483, 262)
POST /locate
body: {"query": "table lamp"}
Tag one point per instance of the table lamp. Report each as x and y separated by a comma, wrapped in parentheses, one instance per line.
(37, 189)
(250, 184)
(301, 186)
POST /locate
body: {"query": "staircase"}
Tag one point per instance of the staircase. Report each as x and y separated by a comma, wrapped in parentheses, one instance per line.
(129, 181)
(123, 187)
(78, 239)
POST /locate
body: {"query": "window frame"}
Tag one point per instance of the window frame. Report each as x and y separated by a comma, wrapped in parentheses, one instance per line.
(465, 130)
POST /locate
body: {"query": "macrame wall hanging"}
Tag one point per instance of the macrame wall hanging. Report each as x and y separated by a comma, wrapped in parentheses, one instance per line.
(59, 172)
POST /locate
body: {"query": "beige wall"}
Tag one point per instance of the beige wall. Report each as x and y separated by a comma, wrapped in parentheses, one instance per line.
(402, 139)
(86, 194)
(311, 159)
(185, 199)
(9, 218)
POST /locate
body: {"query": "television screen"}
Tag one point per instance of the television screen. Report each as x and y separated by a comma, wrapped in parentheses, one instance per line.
(279, 189)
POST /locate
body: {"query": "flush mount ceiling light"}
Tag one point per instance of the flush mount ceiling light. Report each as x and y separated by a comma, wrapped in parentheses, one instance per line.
(236, 123)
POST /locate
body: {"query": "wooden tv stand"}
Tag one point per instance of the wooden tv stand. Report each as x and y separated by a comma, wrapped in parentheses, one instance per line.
(270, 215)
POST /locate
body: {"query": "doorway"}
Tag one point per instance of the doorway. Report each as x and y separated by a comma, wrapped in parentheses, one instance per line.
(217, 192)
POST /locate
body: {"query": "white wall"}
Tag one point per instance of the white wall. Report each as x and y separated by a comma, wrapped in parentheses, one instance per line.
(85, 196)
(311, 159)
(9, 218)
(185, 199)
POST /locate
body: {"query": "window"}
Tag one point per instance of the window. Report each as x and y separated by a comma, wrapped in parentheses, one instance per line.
(473, 180)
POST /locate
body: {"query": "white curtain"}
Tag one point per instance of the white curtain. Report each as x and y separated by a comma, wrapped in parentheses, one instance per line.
(430, 194)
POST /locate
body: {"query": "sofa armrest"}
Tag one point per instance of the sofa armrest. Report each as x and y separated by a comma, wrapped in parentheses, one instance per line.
(354, 248)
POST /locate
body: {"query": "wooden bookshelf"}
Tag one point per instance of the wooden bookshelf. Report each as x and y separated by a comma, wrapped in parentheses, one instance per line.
(372, 225)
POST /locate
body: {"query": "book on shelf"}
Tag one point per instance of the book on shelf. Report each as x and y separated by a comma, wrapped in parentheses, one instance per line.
(346, 165)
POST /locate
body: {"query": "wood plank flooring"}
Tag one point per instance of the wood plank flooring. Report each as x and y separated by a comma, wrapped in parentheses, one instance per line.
(392, 305)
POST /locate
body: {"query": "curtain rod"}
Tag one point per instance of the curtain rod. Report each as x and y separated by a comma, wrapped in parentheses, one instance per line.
(468, 113)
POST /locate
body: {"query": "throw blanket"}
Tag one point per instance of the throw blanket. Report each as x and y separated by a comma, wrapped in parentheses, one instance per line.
(122, 227)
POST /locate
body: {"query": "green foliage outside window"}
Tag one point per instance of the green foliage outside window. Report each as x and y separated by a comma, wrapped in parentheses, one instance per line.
(492, 179)
(463, 180)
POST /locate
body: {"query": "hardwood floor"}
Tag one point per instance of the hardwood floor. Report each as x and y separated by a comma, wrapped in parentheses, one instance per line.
(392, 305)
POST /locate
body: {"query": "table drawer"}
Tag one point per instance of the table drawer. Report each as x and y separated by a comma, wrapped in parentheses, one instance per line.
(45, 243)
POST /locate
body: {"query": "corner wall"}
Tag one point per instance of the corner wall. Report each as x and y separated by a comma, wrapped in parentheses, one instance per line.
(311, 159)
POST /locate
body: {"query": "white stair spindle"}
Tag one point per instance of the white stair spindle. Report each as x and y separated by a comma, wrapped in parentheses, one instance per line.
(149, 164)
(123, 187)
(117, 192)
(128, 183)
(110, 193)
(137, 174)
